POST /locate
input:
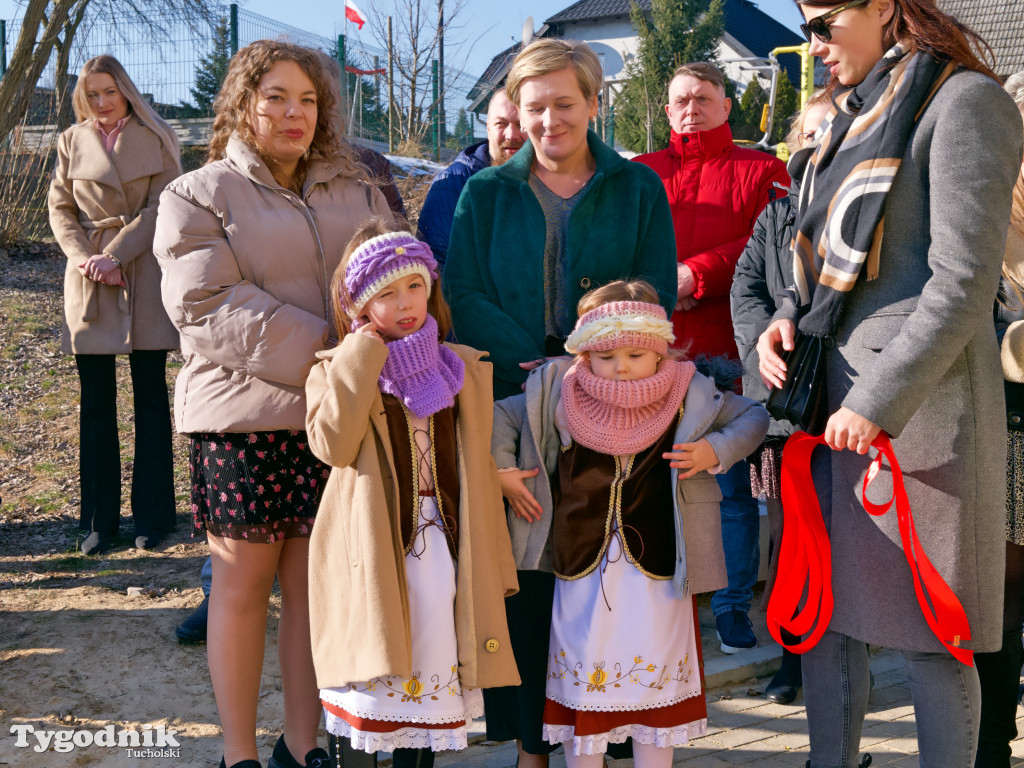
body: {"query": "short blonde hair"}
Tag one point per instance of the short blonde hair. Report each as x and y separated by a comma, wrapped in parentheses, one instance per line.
(137, 105)
(541, 57)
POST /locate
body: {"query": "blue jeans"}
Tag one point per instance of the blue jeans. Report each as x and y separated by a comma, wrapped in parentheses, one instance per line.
(740, 539)
(206, 576)
(836, 680)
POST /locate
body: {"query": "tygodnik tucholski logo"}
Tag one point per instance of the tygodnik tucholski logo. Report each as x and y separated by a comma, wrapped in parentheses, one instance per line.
(148, 742)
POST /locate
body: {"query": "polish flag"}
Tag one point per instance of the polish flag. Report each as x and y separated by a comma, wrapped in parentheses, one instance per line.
(353, 14)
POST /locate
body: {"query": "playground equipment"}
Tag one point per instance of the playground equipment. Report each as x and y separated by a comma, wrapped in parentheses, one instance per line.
(770, 69)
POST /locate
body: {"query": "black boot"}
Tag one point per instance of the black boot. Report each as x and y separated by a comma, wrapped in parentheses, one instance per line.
(242, 764)
(283, 758)
(787, 681)
(412, 758)
(999, 674)
(96, 543)
(193, 629)
(344, 756)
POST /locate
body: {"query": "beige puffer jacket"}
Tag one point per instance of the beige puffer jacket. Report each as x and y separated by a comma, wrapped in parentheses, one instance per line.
(246, 268)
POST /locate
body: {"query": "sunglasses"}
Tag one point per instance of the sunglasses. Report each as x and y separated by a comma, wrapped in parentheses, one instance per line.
(819, 26)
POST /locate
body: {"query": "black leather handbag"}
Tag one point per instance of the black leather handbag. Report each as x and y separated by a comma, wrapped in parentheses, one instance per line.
(802, 397)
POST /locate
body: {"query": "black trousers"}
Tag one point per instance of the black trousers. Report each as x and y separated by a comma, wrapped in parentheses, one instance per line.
(999, 672)
(99, 460)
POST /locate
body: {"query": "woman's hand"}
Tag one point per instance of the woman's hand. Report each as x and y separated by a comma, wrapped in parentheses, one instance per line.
(521, 500)
(693, 457)
(846, 429)
(776, 338)
(101, 269)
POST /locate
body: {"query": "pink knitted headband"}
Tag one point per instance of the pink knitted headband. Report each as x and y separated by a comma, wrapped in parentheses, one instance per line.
(621, 324)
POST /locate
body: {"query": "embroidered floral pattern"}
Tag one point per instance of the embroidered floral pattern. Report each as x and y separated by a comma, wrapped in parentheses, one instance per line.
(413, 690)
(257, 486)
(640, 673)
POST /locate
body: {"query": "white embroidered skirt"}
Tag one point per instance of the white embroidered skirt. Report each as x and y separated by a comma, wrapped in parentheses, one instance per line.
(628, 670)
(431, 709)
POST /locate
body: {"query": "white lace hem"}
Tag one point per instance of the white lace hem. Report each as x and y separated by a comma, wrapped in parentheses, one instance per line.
(472, 710)
(634, 706)
(597, 743)
(435, 739)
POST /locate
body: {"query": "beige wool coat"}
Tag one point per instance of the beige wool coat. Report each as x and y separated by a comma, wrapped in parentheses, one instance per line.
(358, 597)
(247, 267)
(107, 203)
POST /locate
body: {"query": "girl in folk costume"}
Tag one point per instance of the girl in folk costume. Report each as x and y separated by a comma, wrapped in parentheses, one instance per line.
(410, 558)
(632, 537)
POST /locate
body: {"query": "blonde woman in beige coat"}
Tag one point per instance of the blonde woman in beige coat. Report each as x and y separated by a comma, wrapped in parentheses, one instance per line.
(111, 168)
(247, 245)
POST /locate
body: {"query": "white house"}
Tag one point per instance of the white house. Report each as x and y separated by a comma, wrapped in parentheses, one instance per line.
(606, 27)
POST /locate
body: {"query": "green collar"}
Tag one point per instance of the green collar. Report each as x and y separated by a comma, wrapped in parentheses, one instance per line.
(518, 168)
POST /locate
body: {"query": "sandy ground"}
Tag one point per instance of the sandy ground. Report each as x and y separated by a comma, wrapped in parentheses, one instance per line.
(76, 650)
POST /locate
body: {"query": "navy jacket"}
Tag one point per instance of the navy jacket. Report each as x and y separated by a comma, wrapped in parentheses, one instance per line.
(435, 222)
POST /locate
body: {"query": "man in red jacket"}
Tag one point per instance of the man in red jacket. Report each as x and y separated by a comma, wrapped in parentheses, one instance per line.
(716, 191)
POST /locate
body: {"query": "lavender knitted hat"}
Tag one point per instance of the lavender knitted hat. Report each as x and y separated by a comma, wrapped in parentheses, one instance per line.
(382, 260)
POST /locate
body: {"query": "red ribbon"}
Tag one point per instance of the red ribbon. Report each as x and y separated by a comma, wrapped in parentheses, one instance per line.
(802, 601)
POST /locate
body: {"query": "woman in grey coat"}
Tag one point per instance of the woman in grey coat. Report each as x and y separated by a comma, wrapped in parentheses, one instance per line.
(913, 352)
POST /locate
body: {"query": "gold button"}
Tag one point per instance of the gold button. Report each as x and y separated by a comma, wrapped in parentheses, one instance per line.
(585, 283)
(491, 645)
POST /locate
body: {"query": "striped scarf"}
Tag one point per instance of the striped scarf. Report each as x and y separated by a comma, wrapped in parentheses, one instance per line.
(846, 176)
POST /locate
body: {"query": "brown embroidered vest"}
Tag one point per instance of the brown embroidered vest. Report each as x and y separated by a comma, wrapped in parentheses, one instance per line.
(598, 497)
(445, 467)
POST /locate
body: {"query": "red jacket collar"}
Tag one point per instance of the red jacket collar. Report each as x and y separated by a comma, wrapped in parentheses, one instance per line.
(705, 143)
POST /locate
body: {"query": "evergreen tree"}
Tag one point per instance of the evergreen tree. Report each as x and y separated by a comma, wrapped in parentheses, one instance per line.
(787, 101)
(212, 69)
(677, 32)
(461, 132)
(751, 107)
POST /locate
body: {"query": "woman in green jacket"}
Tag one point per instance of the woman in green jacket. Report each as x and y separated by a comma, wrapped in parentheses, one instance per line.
(566, 214)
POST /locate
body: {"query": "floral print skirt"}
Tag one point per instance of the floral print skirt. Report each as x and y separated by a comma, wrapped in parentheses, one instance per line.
(257, 486)
(430, 709)
(1015, 487)
(624, 661)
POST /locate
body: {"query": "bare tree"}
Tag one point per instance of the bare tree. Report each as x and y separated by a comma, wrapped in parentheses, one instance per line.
(419, 31)
(51, 24)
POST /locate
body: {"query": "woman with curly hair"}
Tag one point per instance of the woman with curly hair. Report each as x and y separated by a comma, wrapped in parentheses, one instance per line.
(247, 245)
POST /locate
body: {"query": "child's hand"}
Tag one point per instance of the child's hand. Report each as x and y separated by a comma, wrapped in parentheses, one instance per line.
(521, 500)
(370, 329)
(693, 457)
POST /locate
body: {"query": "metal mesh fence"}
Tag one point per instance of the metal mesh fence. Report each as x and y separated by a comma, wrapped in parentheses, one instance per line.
(163, 55)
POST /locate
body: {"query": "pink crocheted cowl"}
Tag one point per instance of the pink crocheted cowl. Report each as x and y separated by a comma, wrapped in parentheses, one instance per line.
(623, 417)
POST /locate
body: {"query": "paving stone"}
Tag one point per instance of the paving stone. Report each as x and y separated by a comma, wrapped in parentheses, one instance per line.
(749, 731)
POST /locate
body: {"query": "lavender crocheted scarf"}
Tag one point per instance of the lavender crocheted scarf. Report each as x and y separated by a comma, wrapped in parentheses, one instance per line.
(421, 372)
